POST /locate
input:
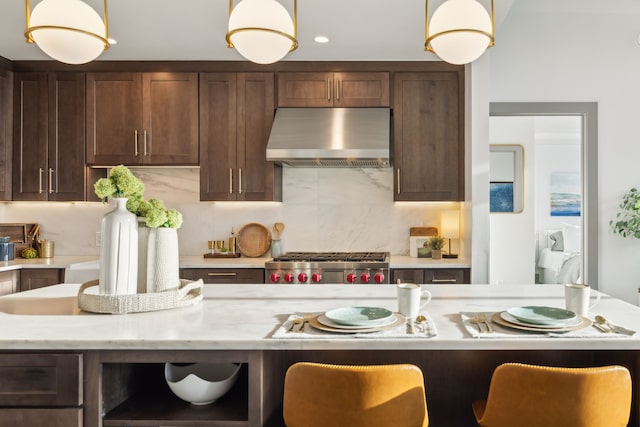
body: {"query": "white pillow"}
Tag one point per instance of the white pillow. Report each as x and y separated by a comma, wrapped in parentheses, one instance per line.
(571, 235)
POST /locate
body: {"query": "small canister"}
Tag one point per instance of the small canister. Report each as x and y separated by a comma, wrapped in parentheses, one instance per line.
(6, 249)
(45, 249)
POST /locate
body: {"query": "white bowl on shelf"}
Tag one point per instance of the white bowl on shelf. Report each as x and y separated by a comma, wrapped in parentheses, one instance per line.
(201, 383)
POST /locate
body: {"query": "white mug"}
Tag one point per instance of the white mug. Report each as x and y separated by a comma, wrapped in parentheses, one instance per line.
(576, 298)
(409, 297)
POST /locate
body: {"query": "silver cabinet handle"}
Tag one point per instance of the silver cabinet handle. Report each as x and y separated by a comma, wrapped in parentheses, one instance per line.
(239, 180)
(328, 89)
(338, 90)
(145, 143)
(398, 179)
(444, 281)
(222, 274)
(50, 180)
(40, 171)
(135, 141)
(230, 181)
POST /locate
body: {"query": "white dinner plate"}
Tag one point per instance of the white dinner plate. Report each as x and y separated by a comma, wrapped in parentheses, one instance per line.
(360, 316)
(323, 319)
(543, 315)
(509, 318)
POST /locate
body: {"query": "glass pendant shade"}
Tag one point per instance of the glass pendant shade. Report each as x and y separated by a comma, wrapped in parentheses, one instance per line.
(69, 31)
(262, 31)
(460, 31)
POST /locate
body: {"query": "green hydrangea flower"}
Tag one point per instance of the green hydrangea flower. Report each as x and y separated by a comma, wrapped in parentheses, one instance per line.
(120, 183)
(104, 188)
(156, 218)
(174, 218)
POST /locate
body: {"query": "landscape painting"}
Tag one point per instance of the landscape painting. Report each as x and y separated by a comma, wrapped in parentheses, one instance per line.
(565, 194)
(501, 196)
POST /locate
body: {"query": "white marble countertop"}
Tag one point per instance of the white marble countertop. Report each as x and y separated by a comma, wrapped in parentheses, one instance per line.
(399, 261)
(62, 261)
(244, 317)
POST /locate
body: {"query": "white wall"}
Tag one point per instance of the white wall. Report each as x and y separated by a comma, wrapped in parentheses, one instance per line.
(512, 236)
(583, 51)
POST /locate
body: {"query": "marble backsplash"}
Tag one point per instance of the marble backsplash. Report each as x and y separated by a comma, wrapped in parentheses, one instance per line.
(322, 209)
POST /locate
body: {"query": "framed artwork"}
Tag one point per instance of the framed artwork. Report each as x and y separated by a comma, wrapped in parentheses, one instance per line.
(506, 185)
(565, 194)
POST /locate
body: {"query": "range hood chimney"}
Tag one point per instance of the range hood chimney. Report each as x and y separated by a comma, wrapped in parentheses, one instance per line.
(331, 137)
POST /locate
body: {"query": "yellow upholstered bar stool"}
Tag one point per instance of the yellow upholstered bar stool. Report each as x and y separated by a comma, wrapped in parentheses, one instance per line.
(534, 396)
(324, 395)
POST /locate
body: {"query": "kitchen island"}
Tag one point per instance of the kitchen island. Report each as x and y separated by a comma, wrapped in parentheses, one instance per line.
(122, 355)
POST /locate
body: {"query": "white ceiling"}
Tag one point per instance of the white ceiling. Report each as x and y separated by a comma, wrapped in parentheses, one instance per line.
(195, 29)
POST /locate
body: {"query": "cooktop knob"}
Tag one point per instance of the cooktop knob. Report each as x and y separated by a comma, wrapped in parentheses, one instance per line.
(365, 277)
(379, 277)
(351, 278)
(316, 277)
(275, 277)
(288, 277)
(302, 277)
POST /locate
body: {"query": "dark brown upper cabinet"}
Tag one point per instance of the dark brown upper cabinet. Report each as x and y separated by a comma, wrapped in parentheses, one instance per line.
(428, 118)
(6, 144)
(48, 136)
(236, 115)
(142, 118)
(327, 89)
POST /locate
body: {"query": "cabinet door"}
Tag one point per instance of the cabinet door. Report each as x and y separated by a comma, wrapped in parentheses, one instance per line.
(170, 112)
(114, 118)
(258, 179)
(218, 136)
(428, 136)
(30, 136)
(34, 278)
(367, 89)
(6, 143)
(66, 159)
(305, 89)
(9, 282)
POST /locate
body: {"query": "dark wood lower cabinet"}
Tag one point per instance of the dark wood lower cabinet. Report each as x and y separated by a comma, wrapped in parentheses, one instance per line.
(41, 389)
(444, 276)
(224, 275)
(9, 282)
(34, 278)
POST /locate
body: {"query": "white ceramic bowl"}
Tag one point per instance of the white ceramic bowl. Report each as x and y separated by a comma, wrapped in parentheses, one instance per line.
(201, 383)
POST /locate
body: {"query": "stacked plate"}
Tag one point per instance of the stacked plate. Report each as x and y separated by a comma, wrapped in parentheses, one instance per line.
(541, 318)
(357, 319)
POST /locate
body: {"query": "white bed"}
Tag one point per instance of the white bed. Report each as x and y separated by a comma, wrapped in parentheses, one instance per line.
(558, 257)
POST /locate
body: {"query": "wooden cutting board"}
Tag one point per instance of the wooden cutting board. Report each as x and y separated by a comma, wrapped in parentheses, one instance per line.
(253, 240)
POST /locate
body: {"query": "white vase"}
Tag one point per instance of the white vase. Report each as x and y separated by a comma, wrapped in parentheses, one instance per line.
(143, 242)
(163, 270)
(118, 251)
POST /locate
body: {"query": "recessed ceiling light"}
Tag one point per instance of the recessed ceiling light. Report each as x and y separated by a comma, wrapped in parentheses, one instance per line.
(321, 39)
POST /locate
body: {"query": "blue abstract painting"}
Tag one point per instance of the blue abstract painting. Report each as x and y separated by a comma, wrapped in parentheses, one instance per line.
(565, 194)
(501, 197)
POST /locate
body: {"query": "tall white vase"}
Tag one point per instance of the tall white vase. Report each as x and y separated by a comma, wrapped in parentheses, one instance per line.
(143, 243)
(163, 269)
(119, 251)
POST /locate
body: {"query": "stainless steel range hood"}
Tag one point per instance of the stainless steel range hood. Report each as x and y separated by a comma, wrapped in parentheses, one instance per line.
(331, 137)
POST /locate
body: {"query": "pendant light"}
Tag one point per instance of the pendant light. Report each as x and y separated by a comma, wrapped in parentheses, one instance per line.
(262, 30)
(460, 31)
(69, 31)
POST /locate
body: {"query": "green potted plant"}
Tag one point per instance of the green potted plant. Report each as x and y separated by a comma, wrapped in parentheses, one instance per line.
(436, 243)
(627, 221)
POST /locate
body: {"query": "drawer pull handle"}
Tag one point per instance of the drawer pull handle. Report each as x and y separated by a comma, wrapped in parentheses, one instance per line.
(444, 281)
(222, 274)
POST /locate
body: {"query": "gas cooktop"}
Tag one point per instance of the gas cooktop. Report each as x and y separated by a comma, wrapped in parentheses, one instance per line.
(333, 256)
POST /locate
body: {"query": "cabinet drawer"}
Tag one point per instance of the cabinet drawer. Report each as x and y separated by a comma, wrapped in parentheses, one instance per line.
(40, 379)
(224, 275)
(445, 276)
(68, 417)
